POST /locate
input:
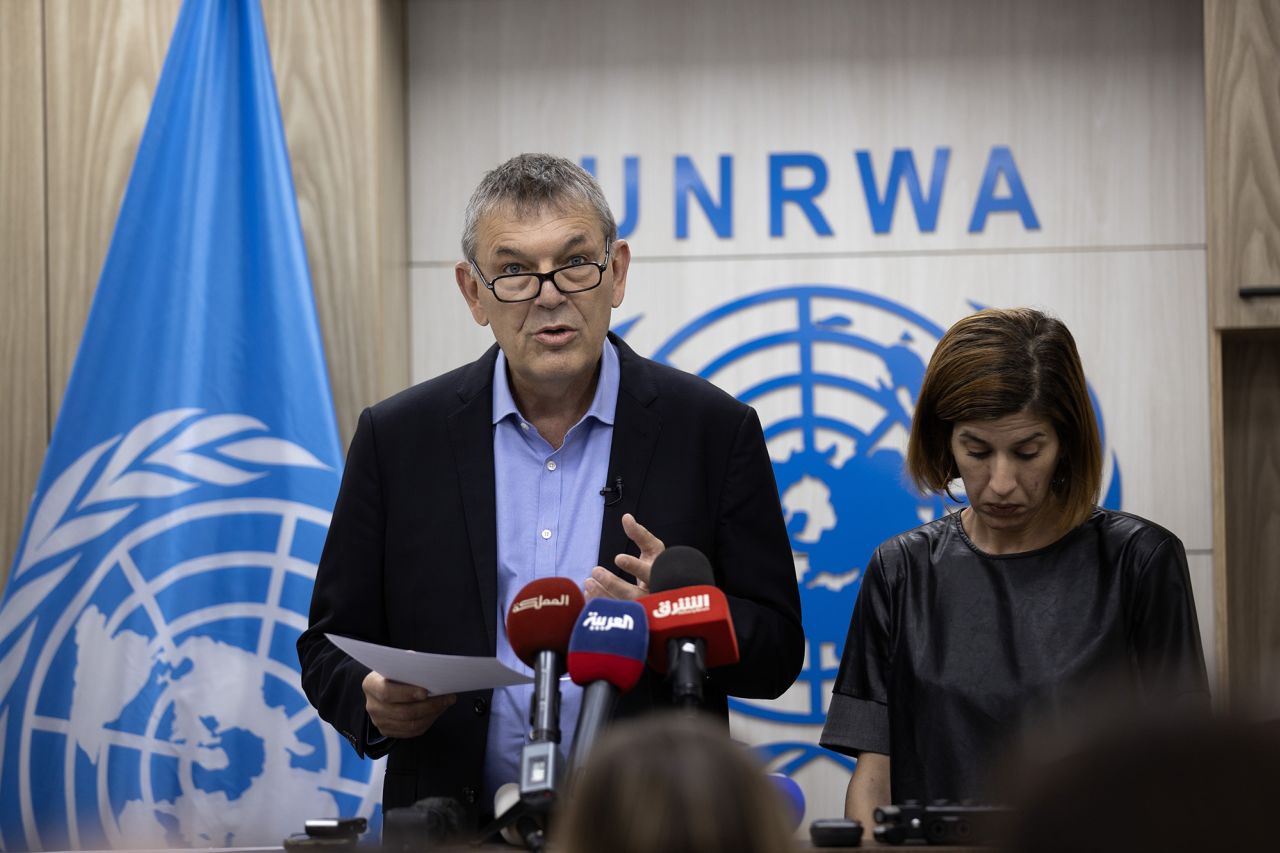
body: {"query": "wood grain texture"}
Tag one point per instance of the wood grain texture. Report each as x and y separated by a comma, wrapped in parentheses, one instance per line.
(1100, 102)
(1242, 158)
(102, 62)
(392, 185)
(339, 68)
(23, 424)
(1221, 578)
(339, 72)
(1251, 444)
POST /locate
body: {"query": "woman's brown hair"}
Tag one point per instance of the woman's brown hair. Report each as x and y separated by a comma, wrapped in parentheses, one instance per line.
(668, 783)
(999, 362)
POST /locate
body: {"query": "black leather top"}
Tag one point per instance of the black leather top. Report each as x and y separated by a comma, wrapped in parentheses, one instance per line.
(954, 654)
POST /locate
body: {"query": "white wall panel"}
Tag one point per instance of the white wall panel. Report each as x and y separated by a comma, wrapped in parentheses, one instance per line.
(1100, 105)
(1138, 317)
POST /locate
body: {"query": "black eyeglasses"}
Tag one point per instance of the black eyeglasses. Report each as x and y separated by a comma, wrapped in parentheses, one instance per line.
(523, 286)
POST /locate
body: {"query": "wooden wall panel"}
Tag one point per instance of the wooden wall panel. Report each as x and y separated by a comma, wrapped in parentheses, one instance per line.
(339, 68)
(1242, 170)
(23, 418)
(1242, 158)
(102, 61)
(76, 83)
(1251, 419)
(391, 182)
(1088, 96)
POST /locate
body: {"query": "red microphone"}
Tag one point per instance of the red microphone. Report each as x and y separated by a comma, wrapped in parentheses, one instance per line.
(700, 612)
(690, 626)
(542, 617)
(539, 625)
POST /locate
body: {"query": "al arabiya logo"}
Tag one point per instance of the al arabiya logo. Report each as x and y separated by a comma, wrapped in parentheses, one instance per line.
(834, 374)
(150, 684)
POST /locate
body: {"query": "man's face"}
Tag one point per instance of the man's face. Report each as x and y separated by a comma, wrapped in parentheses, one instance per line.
(553, 342)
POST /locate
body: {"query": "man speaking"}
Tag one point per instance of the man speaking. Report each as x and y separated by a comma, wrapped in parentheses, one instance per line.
(560, 452)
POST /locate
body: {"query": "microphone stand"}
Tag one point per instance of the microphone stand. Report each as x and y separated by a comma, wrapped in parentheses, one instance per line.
(540, 763)
(529, 819)
(687, 663)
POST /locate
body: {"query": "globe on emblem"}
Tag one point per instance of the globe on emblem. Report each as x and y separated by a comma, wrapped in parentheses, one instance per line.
(834, 373)
(135, 729)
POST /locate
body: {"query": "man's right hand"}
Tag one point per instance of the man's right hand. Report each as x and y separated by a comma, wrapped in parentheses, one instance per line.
(402, 710)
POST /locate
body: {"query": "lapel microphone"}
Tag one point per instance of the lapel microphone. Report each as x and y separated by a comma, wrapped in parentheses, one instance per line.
(612, 494)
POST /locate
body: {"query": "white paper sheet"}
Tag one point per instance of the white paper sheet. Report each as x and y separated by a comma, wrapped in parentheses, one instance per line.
(437, 673)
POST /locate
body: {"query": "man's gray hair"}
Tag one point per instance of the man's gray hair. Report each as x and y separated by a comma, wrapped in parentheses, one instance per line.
(530, 183)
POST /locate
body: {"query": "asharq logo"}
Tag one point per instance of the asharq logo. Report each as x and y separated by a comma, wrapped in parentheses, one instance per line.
(152, 697)
(836, 419)
(683, 606)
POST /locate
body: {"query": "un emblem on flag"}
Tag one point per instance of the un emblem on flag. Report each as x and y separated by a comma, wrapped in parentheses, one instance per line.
(154, 699)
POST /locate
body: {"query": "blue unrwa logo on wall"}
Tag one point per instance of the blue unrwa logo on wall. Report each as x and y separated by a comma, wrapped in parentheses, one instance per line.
(836, 418)
(797, 180)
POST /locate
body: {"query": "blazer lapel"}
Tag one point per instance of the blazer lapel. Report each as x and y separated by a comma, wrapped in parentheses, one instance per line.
(636, 427)
(471, 433)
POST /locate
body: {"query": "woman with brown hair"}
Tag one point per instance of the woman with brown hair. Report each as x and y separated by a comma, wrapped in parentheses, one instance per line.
(1022, 606)
(672, 783)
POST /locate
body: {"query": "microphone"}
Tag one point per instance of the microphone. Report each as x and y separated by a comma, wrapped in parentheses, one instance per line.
(606, 656)
(430, 822)
(791, 792)
(505, 799)
(519, 825)
(539, 625)
(612, 494)
(690, 627)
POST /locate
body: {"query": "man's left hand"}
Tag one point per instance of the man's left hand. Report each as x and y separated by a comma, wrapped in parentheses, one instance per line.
(605, 584)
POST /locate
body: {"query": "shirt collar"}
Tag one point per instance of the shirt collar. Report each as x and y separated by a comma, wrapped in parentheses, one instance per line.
(604, 404)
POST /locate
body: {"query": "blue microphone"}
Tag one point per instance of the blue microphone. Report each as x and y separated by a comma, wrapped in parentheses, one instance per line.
(790, 791)
(607, 652)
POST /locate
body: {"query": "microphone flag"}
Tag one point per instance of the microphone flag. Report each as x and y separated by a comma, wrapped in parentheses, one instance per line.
(690, 612)
(606, 656)
(610, 643)
(149, 684)
(542, 616)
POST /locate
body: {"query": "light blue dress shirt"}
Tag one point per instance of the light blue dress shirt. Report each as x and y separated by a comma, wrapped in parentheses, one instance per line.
(549, 512)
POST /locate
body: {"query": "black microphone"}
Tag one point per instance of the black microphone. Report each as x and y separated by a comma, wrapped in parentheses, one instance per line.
(427, 823)
(612, 494)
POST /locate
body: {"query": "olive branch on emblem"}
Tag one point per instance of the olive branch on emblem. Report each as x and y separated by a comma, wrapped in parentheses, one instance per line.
(219, 450)
(163, 456)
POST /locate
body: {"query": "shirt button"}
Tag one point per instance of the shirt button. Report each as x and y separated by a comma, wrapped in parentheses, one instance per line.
(546, 534)
(524, 426)
(551, 465)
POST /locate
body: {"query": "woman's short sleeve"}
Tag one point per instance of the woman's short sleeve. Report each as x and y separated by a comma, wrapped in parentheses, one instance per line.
(858, 719)
(1165, 632)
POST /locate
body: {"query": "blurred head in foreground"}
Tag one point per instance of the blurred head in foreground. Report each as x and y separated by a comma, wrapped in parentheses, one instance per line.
(671, 783)
(1189, 787)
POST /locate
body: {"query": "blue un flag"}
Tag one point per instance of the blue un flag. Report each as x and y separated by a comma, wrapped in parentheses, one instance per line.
(149, 688)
